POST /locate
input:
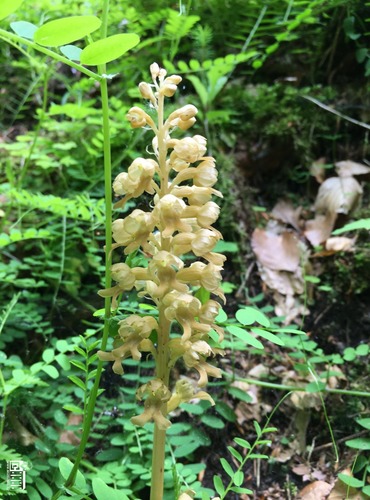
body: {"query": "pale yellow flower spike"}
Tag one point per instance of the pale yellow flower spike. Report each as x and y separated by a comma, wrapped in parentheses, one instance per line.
(180, 178)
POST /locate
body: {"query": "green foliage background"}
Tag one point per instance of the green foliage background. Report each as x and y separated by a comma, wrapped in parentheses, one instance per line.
(247, 66)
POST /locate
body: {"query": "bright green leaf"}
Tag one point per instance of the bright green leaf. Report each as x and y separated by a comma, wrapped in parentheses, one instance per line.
(242, 442)
(71, 52)
(227, 467)
(7, 7)
(350, 481)
(24, 29)
(48, 355)
(77, 381)
(359, 443)
(212, 421)
(51, 371)
(364, 422)
(102, 491)
(108, 49)
(73, 409)
(65, 467)
(219, 487)
(250, 315)
(238, 478)
(268, 336)
(235, 454)
(242, 334)
(66, 30)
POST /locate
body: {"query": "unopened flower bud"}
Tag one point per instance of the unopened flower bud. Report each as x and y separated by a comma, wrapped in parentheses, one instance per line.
(154, 70)
(146, 91)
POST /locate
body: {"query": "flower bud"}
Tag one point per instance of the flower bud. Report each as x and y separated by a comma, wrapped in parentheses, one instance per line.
(146, 91)
(154, 70)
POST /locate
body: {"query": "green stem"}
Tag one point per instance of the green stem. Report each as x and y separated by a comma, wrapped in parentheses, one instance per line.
(108, 262)
(5, 35)
(159, 441)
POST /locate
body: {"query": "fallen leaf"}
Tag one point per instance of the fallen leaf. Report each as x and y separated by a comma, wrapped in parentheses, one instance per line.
(338, 195)
(319, 229)
(340, 244)
(69, 436)
(301, 469)
(277, 252)
(285, 212)
(318, 490)
(348, 168)
(317, 170)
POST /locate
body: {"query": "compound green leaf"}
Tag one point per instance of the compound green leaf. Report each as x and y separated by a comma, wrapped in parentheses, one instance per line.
(103, 491)
(268, 336)
(249, 315)
(24, 29)
(245, 336)
(8, 7)
(108, 49)
(66, 30)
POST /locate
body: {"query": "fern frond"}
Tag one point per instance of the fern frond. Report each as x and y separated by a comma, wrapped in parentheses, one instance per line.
(79, 208)
(178, 26)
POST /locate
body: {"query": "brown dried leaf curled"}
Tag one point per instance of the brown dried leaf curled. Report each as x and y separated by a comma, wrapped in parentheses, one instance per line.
(277, 252)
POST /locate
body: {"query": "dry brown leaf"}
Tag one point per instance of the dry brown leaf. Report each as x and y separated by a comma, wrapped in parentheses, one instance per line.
(340, 244)
(319, 229)
(285, 212)
(277, 252)
(301, 470)
(338, 195)
(317, 170)
(69, 436)
(289, 306)
(318, 490)
(348, 168)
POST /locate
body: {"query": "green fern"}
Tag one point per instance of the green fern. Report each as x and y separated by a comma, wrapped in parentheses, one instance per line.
(79, 208)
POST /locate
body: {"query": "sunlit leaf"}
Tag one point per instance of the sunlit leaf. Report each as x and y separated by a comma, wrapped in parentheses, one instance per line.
(242, 334)
(24, 29)
(72, 52)
(66, 30)
(250, 315)
(8, 7)
(108, 49)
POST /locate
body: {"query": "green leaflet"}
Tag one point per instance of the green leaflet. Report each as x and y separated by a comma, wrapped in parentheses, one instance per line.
(108, 49)
(8, 7)
(66, 30)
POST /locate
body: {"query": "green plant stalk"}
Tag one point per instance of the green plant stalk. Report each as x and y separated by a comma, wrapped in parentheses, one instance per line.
(108, 260)
(6, 36)
(162, 361)
(255, 444)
